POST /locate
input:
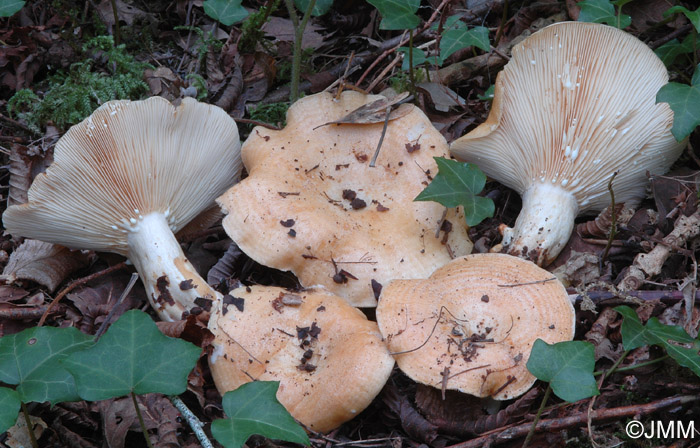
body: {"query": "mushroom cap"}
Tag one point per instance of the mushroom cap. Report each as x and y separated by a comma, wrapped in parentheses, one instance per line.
(126, 160)
(346, 362)
(475, 318)
(306, 176)
(577, 102)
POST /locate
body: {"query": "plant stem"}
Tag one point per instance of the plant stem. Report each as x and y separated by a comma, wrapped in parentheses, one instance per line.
(117, 37)
(192, 420)
(28, 422)
(141, 422)
(531, 433)
(632, 367)
(298, 37)
(613, 220)
(410, 61)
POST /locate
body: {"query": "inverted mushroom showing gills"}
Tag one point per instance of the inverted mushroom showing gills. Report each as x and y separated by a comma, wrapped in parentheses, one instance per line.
(329, 359)
(575, 104)
(312, 204)
(125, 179)
(471, 326)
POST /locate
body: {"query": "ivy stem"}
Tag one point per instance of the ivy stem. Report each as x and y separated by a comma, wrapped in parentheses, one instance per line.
(299, 27)
(531, 433)
(632, 367)
(30, 428)
(141, 422)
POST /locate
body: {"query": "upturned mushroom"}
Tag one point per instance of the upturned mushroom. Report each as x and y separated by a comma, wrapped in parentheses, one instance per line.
(125, 179)
(329, 359)
(575, 104)
(332, 219)
(471, 326)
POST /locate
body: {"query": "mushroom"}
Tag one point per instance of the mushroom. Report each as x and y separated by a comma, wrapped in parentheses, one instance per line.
(575, 104)
(329, 359)
(472, 324)
(127, 177)
(330, 218)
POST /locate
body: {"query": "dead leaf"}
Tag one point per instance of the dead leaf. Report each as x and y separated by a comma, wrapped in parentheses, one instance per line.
(442, 97)
(126, 13)
(25, 164)
(9, 293)
(18, 437)
(375, 112)
(281, 29)
(44, 263)
(163, 82)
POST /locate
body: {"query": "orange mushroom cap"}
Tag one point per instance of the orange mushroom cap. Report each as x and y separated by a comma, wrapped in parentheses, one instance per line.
(329, 359)
(313, 206)
(472, 324)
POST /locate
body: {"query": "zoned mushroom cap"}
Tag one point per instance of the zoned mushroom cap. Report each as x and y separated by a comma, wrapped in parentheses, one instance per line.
(329, 359)
(329, 217)
(475, 321)
(126, 160)
(576, 103)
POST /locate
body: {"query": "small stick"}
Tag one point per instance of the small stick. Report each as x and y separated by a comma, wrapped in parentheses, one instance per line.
(78, 282)
(192, 420)
(126, 291)
(381, 138)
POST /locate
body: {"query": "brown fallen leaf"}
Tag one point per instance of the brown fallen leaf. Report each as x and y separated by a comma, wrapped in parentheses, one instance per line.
(375, 112)
(44, 263)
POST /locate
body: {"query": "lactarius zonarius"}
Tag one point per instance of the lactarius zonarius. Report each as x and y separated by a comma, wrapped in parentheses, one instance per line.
(575, 104)
(331, 218)
(329, 359)
(471, 325)
(128, 177)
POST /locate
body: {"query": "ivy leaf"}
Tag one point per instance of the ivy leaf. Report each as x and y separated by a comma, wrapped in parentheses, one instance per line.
(9, 408)
(693, 16)
(227, 12)
(678, 344)
(602, 11)
(7, 9)
(457, 38)
(31, 359)
(684, 101)
(450, 22)
(488, 95)
(320, 7)
(458, 183)
(669, 52)
(253, 409)
(418, 57)
(567, 366)
(132, 356)
(397, 14)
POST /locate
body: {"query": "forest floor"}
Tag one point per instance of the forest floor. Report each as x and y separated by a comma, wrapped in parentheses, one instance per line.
(178, 50)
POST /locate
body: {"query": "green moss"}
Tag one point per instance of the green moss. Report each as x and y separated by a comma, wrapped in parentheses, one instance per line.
(106, 73)
(251, 28)
(273, 113)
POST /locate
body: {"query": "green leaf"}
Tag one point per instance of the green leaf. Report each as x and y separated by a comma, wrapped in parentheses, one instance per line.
(132, 356)
(227, 12)
(397, 14)
(488, 95)
(253, 409)
(320, 7)
(418, 57)
(684, 101)
(457, 38)
(9, 408)
(450, 22)
(633, 332)
(31, 359)
(567, 366)
(9, 8)
(693, 16)
(678, 344)
(458, 183)
(669, 52)
(602, 11)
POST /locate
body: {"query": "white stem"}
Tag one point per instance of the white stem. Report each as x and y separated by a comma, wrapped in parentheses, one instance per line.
(172, 284)
(544, 225)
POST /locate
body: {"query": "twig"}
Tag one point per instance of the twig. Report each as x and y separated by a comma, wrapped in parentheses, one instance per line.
(126, 291)
(75, 283)
(613, 220)
(381, 138)
(558, 424)
(257, 123)
(192, 420)
(402, 42)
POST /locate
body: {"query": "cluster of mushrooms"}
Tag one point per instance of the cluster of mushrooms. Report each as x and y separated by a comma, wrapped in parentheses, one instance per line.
(575, 104)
